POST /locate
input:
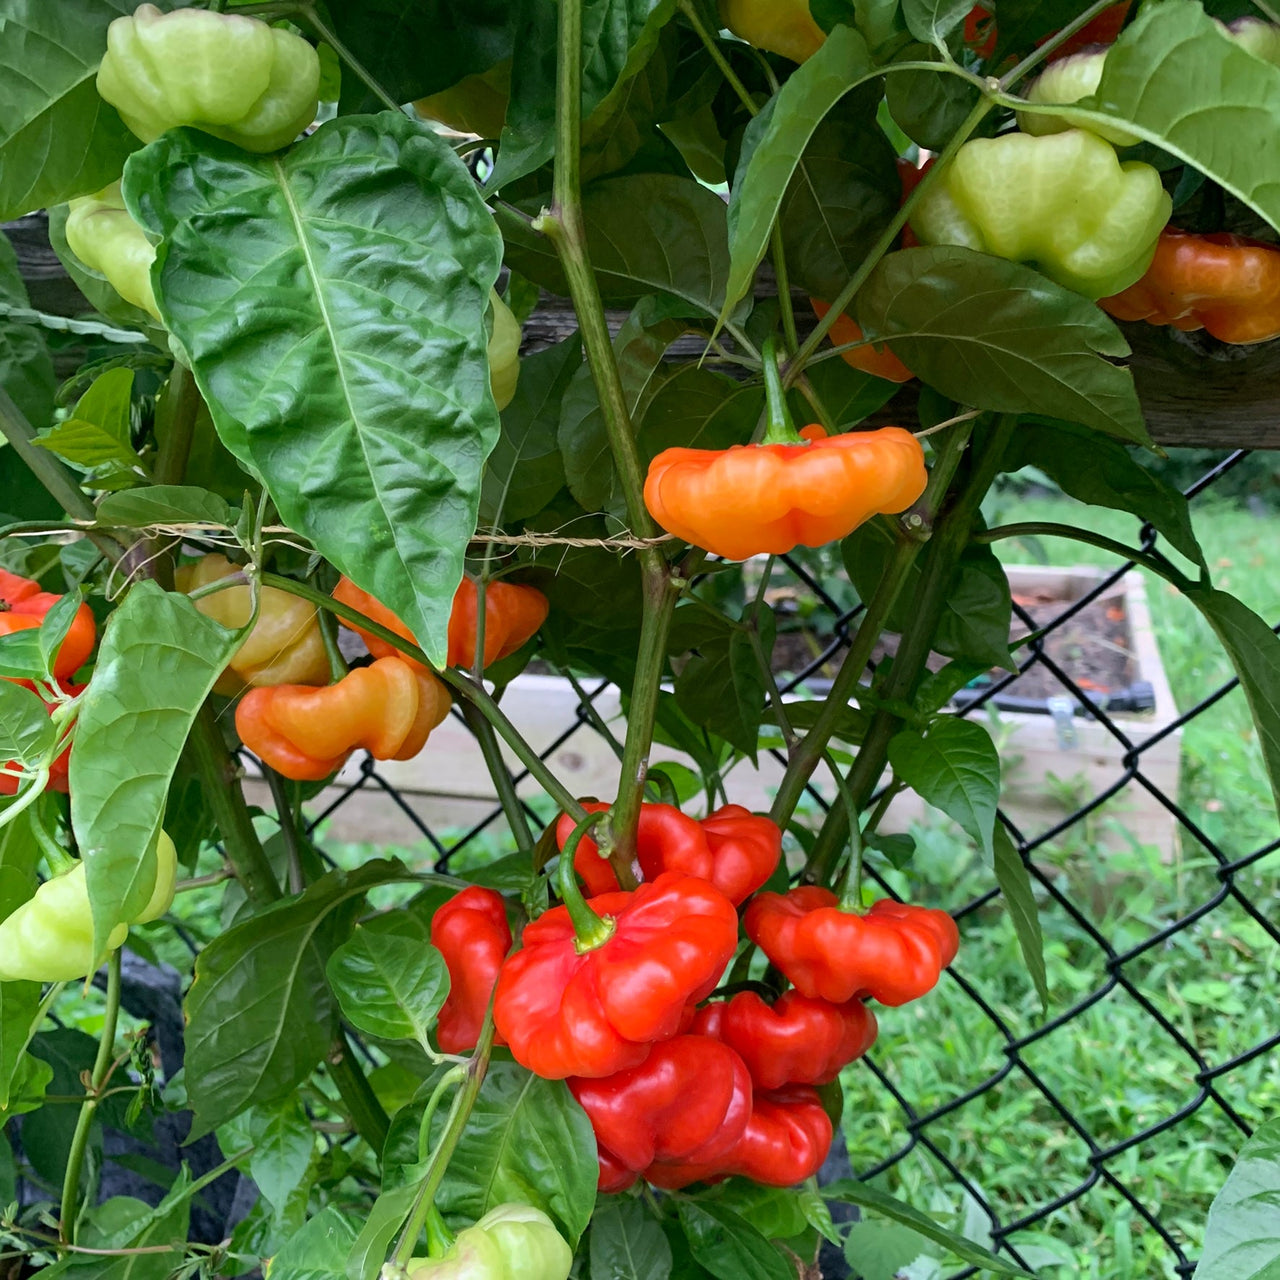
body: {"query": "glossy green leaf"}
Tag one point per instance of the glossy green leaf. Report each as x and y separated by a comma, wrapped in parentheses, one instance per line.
(58, 139)
(928, 106)
(955, 767)
(627, 1243)
(164, 504)
(1103, 473)
(283, 1143)
(319, 1251)
(97, 434)
(259, 1013)
(931, 21)
(998, 335)
(1175, 79)
(26, 367)
(382, 1224)
(850, 1191)
(528, 1141)
(157, 662)
(728, 1246)
(1254, 650)
(1242, 1235)
(844, 192)
(647, 233)
(1020, 901)
(771, 150)
(389, 986)
(26, 734)
(525, 470)
(54, 627)
(332, 301)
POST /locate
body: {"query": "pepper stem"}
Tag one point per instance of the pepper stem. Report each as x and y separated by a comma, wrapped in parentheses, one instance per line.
(592, 931)
(439, 1237)
(782, 427)
(851, 892)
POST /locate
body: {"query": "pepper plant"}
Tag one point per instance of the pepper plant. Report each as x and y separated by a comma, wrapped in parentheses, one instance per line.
(302, 496)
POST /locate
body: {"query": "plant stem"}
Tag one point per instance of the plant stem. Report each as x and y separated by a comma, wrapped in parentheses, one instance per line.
(886, 241)
(84, 1122)
(517, 819)
(1048, 529)
(591, 930)
(1037, 56)
(181, 406)
(288, 828)
(781, 427)
(367, 1113)
(690, 11)
(327, 34)
(779, 255)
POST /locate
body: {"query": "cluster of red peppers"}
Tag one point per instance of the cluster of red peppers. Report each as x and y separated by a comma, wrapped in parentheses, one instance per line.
(23, 606)
(609, 992)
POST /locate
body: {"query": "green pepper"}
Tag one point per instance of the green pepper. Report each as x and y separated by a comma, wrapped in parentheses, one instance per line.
(49, 938)
(511, 1242)
(1068, 80)
(229, 75)
(504, 352)
(1063, 201)
(103, 235)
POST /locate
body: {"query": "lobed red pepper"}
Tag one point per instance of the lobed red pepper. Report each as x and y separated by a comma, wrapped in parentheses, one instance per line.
(566, 1011)
(472, 934)
(894, 953)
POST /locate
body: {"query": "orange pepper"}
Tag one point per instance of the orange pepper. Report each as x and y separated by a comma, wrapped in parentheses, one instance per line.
(23, 606)
(770, 498)
(512, 614)
(881, 363)
(1223, 283)
(388, 708)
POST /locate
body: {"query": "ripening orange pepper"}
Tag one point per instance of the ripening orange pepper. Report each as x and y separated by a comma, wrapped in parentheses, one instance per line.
(388, 708)
(881, 363)
(23, 606)
(512, 614)
(770, 498)
(1223, 283)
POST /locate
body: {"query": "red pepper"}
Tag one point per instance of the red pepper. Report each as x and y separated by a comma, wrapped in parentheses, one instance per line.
(894, 953)
(666, 840)
(735, 849)
(567, 1011)
(798, 1041)
(472, 934)
(688, 1101)
(614, 1175)
(786, 1140)
(23, 606)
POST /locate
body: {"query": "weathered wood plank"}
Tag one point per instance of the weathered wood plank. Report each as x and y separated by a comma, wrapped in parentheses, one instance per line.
(1196, 392)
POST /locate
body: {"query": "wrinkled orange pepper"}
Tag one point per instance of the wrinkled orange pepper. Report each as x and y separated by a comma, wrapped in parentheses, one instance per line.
(23, 606)
(881, 362)
(1223, 283)
(388, 708)
(512, 615)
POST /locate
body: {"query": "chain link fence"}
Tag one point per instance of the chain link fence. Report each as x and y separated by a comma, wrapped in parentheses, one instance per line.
(1095, 1145)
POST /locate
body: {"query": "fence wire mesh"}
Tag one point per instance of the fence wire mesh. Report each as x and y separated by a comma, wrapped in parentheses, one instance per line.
(1105, 1139)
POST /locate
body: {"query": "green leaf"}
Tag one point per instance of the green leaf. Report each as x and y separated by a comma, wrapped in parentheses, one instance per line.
(525, 470)
(527, 1140)
(729, 1246)
(954, 767)
(157, 662)
(283, 1143)
(97, 434)
(381, 1225)
(332, 301)
(1254, 650)
(647, 233)
(928, 106)
(26, 367)
(389, 986)
(54, 627)
(849, 1191)
(1242, 1235)
(1176, 80)
(931, 21)
(319, 1251)
(844, 192)
(164, 504)
(774, 143)
(627, 1243)
(259, 1013)
(881, 1250)
(58, 139)
(1024, 22)
(1103, 473)
(998, 335)
(1020, 900)
(26, 733)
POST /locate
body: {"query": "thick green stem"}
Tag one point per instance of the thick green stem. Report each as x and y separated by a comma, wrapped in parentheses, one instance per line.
(288, 827)
(951, 534)
(592, 931)
(517, 819)
(367, 1113)
(84, 1123)
(781, 428)
(180, 408)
